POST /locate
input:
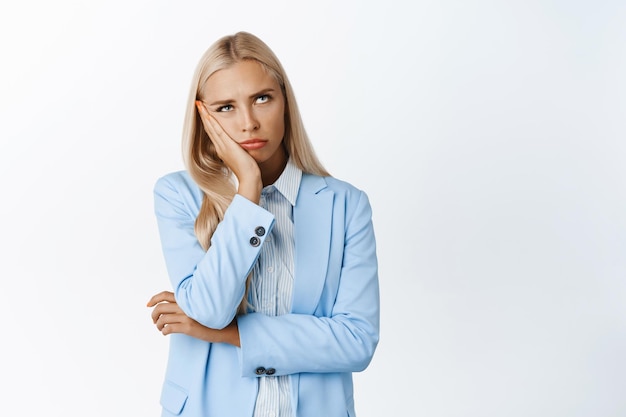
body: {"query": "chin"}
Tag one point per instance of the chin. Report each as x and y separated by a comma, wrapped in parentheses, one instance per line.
(258, 157)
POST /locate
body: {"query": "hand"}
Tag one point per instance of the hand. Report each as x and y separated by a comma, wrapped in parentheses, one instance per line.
(234, 156)
(170, 318)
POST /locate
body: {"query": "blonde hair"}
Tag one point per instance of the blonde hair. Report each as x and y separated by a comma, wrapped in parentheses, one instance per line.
(201, 160)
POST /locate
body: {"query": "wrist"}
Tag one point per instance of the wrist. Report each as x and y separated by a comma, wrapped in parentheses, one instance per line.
(251, 189)
(231, 334)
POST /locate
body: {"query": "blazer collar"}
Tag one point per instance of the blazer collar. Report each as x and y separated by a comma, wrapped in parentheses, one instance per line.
(312, 226)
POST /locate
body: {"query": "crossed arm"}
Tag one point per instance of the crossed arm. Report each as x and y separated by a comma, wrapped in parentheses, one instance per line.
(167, 314)
(169, 318)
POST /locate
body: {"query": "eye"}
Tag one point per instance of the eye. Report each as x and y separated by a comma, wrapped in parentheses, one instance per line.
(225, 108)
(264, 98)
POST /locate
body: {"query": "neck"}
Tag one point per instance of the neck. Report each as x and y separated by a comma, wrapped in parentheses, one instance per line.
(272, 168)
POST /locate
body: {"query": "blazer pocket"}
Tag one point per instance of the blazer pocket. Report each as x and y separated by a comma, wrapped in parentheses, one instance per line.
(173, 397)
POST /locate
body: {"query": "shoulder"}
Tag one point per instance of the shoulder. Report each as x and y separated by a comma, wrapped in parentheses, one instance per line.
(345, 193)
(332, 184)
(179, 181)
(179, 189)
(338, 185)
(175, 179)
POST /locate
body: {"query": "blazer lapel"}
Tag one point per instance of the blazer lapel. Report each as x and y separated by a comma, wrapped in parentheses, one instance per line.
(312, 226)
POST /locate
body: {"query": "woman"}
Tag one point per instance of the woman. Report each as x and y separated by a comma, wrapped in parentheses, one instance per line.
(272, 261)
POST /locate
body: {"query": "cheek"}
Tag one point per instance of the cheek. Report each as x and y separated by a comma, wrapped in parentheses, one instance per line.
(280, 127)
(278, 122)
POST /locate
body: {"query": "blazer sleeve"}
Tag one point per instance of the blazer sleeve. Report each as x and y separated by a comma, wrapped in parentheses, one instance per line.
(344, 341)
(208, 286)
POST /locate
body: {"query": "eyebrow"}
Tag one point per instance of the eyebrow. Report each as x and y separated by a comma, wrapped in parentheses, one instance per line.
(230, 100)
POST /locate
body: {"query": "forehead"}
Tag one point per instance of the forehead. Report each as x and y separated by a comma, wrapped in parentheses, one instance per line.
(239, 80)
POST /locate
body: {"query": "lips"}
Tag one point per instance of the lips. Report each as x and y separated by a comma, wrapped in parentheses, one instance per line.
(252, 144)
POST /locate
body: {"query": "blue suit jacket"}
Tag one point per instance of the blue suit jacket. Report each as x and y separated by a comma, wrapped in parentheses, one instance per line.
(333, 327)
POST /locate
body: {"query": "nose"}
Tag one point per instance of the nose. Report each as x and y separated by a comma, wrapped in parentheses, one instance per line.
(250, 121)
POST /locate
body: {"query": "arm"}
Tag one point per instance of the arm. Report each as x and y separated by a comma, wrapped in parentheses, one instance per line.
(169, 318)
(344, 341)
(208, 286)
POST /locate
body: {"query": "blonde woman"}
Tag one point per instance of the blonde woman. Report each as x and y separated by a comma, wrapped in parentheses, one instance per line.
(272, 261)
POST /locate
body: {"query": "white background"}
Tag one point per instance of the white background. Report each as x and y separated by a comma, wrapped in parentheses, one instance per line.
(489, 135)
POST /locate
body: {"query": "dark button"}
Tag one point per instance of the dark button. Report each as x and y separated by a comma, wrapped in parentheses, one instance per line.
(255, 241)
(260, 231)
(270, 371)
(260, 370)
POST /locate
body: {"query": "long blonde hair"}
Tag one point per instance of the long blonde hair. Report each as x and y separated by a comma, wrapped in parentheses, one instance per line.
(201, 160)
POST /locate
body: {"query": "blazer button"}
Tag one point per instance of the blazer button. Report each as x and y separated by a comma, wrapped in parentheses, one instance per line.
(260, 370)
(270, 371)
(255, 241)
(260, 231)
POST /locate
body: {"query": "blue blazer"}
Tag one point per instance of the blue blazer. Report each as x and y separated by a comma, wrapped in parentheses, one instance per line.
(331, 331)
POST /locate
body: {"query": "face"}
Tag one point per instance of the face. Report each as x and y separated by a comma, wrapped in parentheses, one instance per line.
(249, 105)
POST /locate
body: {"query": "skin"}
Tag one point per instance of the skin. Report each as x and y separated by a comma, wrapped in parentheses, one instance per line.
(240, 103)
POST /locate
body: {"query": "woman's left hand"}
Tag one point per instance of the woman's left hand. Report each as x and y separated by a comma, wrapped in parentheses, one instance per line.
(170, 318)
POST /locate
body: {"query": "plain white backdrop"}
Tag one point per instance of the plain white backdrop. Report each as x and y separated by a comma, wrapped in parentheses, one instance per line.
(491, 139)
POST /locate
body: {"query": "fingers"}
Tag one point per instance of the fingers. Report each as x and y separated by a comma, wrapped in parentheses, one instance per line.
(179, 323)
(166, 296)
(163, 303)
(172, 328)
(204, 114)
(215, 131)
(165, 308)
(167, 315)
(207, 120)
(169, 318)
(226, 147)
(166, 320)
